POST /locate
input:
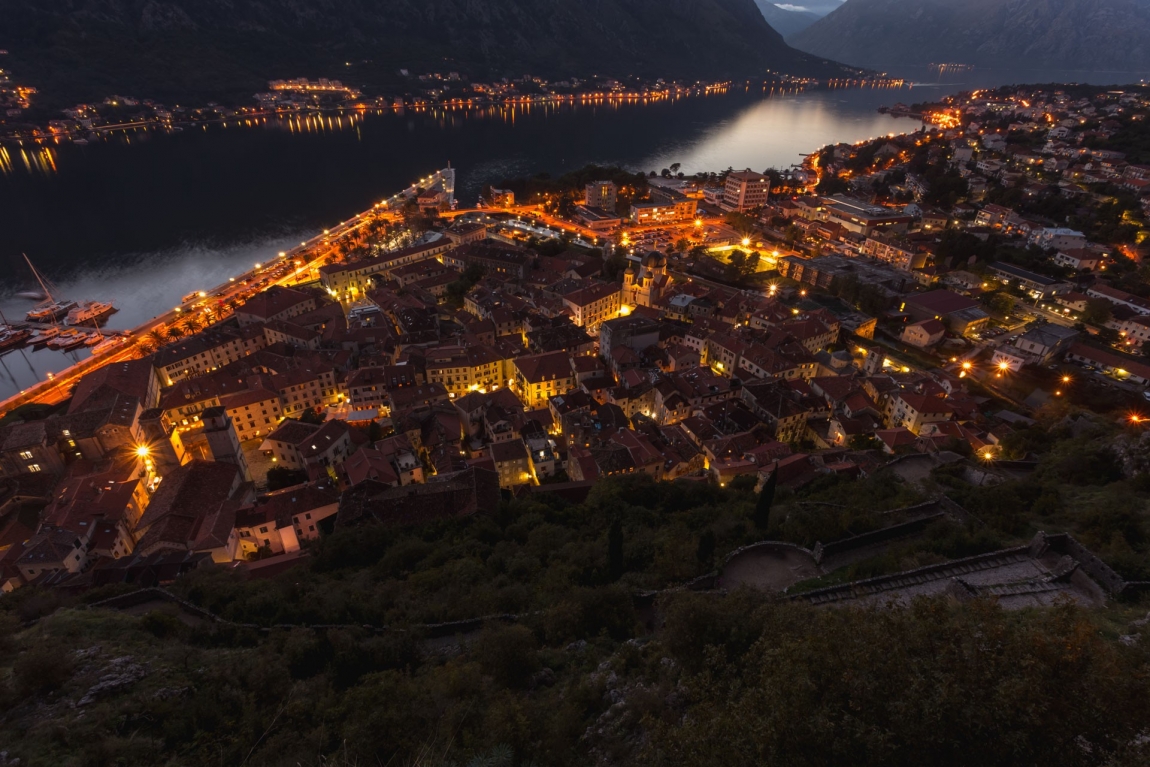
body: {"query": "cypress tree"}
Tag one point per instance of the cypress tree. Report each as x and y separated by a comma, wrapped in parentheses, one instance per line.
(615, 551)
(766, 500)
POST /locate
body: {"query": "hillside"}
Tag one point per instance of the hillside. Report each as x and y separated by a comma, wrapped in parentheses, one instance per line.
(192, 49)
(1092, 35)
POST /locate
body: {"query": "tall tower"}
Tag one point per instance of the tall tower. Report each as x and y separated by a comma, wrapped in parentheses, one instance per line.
(223, 442)
(873, 363)
(163, 441)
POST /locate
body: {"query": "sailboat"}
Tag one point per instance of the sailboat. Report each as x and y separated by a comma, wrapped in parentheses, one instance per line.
(108, 344)
(101, 343)
(50, 309)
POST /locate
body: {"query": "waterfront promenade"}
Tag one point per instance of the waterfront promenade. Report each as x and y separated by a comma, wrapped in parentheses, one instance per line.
(311, 254)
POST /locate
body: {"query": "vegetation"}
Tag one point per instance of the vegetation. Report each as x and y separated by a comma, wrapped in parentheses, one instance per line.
(575, 671)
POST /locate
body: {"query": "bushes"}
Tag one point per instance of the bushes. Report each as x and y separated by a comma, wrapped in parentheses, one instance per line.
(588, 613)
(932, 684)
(42, 669)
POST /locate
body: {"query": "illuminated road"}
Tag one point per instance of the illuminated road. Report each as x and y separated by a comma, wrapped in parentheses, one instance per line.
(313, 253)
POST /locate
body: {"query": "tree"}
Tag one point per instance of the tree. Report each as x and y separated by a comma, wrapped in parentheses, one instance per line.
(280, 477)
(766, 500)
(312, 416)
(174, 333)
(864, 442)
(999, 302)
(615, 551)
(1098, 312)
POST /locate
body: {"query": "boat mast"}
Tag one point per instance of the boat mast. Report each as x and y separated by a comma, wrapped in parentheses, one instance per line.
(39, 279)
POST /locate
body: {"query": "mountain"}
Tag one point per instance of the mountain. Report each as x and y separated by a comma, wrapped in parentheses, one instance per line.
(786, 21)
(75, 50)
(1025, 34)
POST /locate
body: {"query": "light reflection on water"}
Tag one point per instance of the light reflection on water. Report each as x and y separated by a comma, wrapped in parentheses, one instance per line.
(146, 216)
(139, 291)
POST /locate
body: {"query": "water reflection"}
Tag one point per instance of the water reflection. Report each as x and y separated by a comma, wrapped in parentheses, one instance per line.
(142, 285)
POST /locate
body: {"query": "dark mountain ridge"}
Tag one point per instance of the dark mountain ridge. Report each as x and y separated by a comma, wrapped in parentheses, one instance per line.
(1093, 35)
(77, 50)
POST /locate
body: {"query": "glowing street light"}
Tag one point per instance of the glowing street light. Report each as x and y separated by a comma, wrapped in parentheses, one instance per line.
(143, 451)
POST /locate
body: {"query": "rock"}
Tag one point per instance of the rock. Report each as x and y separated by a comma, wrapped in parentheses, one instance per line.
(120, 673)
(86, 654)
(543, 678)
(577, 646)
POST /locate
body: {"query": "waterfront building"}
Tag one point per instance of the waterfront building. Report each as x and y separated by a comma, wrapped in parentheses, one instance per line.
(602, 195)
(745, 189)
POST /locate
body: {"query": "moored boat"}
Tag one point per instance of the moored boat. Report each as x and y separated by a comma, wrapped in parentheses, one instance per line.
(12, 338)
(51, 308)
(90, 311)
(50, 311)
(108, 344)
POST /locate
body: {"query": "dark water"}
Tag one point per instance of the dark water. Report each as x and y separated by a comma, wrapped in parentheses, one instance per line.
(145, 217)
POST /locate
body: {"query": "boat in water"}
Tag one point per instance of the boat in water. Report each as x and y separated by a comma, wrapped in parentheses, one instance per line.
(108, 344)
(50, 311)
(89, 311)
(67, 339)
(10, 339)
(46, 335)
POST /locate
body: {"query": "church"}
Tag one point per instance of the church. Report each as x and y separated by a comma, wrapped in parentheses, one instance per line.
(646, 287)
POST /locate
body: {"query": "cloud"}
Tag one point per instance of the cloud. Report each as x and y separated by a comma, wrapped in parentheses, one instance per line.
(789, 7)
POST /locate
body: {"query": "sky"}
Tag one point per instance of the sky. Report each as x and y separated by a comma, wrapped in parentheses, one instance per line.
(820, 7)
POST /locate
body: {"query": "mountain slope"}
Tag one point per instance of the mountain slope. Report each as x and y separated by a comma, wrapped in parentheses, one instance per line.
(786, 22)
(1058, 34)
(171, 49)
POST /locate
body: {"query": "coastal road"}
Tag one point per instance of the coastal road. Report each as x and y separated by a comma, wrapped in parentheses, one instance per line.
(312, 253)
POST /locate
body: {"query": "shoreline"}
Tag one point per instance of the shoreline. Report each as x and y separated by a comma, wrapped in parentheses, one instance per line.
(418, 105)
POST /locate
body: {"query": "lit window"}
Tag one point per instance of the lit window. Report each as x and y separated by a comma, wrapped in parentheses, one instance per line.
(34, 467)
(26, 454)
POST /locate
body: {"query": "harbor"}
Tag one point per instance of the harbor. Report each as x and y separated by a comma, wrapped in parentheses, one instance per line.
(291, 266)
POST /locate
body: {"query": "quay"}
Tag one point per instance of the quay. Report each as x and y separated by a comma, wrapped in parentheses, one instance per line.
(57, 387)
